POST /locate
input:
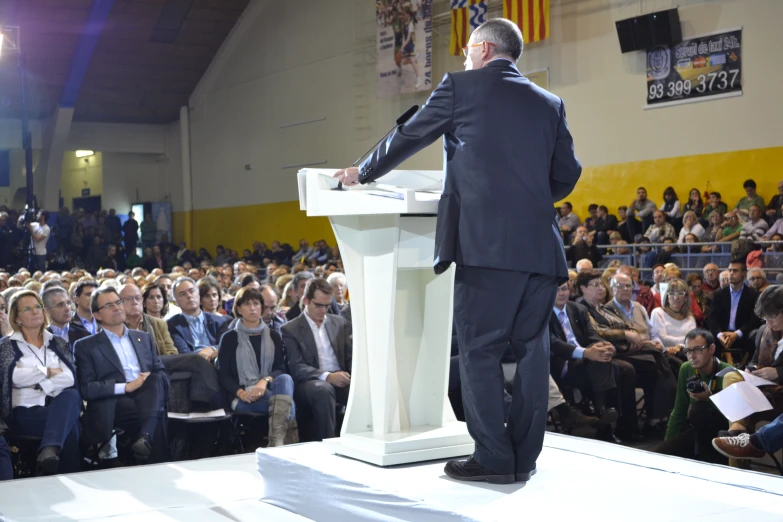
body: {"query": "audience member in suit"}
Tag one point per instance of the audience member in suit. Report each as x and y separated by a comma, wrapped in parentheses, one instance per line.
(37, 378)
(580, 358)
(273, 319)
(123, 381)
(58, 306)
(194, 330)
(319, 356)
(252, 367)
(6, 468)
(731, 318)
(641, 293)
(83, 318)
(299, 282)
(136, 319)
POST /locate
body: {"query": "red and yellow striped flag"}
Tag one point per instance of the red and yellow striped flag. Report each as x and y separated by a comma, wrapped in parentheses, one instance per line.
(466, 15)
(532, 17)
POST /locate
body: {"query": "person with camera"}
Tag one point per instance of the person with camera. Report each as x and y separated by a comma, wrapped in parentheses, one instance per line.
(695, 420)
(40, 232)
(583, 246)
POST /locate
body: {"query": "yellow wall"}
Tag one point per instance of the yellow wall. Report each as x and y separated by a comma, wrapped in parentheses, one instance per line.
(238, 227)
(80, 173)
(615, 185)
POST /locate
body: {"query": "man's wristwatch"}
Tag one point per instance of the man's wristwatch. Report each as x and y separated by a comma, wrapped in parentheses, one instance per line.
(268, 380)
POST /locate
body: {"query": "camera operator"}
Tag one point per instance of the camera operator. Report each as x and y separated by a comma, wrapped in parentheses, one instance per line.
(583, 247)
(695, 420)
(40, 232)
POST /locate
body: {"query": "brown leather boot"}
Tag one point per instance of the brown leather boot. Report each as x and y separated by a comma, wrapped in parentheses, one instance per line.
(279, 411)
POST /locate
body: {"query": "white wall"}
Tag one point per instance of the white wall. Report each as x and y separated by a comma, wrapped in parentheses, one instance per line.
(299, 60)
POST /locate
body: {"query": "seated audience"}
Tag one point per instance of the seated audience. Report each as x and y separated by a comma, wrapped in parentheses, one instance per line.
(768, 439)
(580, 358)
(672, 273)
(252, 368)
(319, 355)
(745, 203)
(711, 281)
(136, 319)
(731, 228)
(639, 216)
(123, 381)
(690, 225)
(671, 204)
(757, 279)
(660, 229)
(567, 221)
(58, 306)
(694, 203)
(755, 227)
(641, 293)
(714, 205)
(273, 318)
(299, 282)
(193, 330)
(723, 278)
(155, 301)
(583, 247)
(731, 318)
(674, 319)
(37, 378)
(696, 285)
(211, 296)
(166, 283)
(83, 319)
(339, 285)
(775, 228)
(695, 420)
(604, 224)
(711, 233)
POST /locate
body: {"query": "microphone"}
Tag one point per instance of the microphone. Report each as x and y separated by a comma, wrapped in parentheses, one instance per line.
(407, 115)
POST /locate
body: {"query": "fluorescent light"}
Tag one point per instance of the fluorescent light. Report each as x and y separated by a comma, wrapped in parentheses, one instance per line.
(84, 153)
(1, 44)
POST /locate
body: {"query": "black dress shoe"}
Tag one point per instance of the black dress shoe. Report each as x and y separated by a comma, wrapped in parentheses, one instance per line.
(524, 477)
(142, 448)
(471, 471)
(607, 416)
(48, 461)
(110, 463)
(571, 418)
(607, 434)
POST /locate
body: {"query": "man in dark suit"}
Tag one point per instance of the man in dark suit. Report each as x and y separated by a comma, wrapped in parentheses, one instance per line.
(83, 318)
(194, 330)
(509, 158)
(319, 357)
(122, 380)
(580, 357)
(731, 315)
(58, 306)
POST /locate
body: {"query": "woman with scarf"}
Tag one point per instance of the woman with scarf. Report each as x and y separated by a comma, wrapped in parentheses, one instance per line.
(251, 368)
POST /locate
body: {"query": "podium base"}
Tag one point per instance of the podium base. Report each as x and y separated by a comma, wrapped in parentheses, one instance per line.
(418, 444)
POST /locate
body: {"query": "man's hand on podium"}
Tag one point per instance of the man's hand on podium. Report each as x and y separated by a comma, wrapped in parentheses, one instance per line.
(339, 379)
(349, 177)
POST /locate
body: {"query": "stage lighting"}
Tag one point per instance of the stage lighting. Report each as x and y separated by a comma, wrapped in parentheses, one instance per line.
(84, 153)
(1, 44)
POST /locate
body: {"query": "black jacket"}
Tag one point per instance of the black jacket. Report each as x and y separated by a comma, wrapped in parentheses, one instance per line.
(227, 361)
(746, 319)
(586, 336)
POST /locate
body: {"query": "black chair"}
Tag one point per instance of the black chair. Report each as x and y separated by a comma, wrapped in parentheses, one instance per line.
(24, 454)
(251, 430)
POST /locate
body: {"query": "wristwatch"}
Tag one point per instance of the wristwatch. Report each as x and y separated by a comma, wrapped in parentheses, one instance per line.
(268, 380)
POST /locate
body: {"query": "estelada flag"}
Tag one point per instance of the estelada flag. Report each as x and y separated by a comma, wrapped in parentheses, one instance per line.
(466, 15)
(532, 17)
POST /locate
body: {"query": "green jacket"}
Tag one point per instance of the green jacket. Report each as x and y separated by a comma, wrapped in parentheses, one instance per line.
(678, 420)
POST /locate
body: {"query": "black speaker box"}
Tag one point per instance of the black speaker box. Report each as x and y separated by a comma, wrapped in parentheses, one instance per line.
(645, 31)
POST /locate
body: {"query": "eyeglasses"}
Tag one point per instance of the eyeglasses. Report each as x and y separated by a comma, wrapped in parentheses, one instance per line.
(31, 309)
(321, 306)
(710, 270)
(64, 304)
(695, 349)
(112, 305)
(466, 49)
(596, 284)
(135, 299)
(677, 294)
(623, 287)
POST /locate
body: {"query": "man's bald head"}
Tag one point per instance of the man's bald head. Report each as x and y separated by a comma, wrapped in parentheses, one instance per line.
(131, 301)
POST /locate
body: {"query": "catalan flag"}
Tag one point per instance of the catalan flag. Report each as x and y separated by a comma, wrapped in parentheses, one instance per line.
(466, 15)
(532, 17)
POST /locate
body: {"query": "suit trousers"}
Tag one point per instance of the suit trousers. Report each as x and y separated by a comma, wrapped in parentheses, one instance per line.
(593, 377)
(57, 424)
(6, 469)
(320, 400)
(144, 412)
(204, 386)
(495, 310)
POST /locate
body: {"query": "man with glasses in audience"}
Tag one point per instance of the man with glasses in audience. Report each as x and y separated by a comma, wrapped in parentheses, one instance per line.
(194, 330)
(123, 381)
(695, 420)
(711, 281)
(58, 306)
(731, 318)
(757, 279)
(732, 228)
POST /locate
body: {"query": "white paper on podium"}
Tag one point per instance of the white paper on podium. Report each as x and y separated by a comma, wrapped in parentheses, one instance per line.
(740, 400)
(748, 377)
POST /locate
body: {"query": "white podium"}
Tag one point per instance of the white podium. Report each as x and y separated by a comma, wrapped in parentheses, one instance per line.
(398, 410)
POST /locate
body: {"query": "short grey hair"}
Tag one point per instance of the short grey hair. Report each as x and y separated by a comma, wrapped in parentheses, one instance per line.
(49, 294)
(301, 276)
(180, 280)
(337, 277)
(504, 34)
(757, 270)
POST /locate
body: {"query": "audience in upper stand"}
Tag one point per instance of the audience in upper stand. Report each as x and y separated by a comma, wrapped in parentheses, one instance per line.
(604, 224)
(583, 246)
(755, 227)
(714, 205)
(640, 213)
(744, 204)
(660, 229)
(671, 204)
(711, 233)
(731, 227)
(694, 203)
(690, 225)
(567, 221)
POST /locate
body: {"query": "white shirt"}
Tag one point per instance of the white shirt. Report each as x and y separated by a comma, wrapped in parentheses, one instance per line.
(671, 331)
(327, 360)
(697, 230)
(173, 310)
(778, 350)
(30, 371)
(40, 246)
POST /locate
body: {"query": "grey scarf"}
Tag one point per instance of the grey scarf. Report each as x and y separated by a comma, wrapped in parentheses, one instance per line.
(252, 369)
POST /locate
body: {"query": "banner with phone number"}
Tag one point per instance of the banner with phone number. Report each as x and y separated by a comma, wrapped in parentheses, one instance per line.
(707, 66)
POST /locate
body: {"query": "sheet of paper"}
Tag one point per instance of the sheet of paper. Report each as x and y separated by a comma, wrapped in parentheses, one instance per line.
(198, 415)
(749, 377)
(740, 400)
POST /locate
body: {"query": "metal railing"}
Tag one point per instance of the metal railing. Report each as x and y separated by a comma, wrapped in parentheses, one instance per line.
(692, 259)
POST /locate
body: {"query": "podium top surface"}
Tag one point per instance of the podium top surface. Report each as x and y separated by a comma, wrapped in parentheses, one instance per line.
(399, 192)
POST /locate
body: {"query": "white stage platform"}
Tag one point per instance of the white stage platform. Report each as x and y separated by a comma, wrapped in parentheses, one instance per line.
(578, 479)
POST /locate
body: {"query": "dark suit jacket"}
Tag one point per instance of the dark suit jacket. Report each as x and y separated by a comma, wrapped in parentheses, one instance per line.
(99, 369)
(74, 334)
(76, 323)
(560, 350)
(215, 324)
(746, 320)
(228, 372)
(509, 158)
(299, 342)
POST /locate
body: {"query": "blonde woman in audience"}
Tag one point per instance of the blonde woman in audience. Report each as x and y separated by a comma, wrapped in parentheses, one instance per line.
(281, 282)
(33, 285)
(690, 225)
(289, 299)
(674, 319)
(607, 277)
(155, 301)
(614, 238)
(711, 234)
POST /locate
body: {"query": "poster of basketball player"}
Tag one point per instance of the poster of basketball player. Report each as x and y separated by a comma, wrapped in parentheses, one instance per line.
(404, 45)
